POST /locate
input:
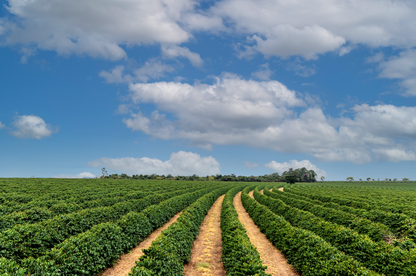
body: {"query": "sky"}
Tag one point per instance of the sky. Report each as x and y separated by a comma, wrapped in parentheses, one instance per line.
(184, 87)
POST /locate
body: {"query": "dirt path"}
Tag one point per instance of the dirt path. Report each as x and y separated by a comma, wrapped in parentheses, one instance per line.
(281, 189)
(127, 261)
(207, 248)
(274, 260)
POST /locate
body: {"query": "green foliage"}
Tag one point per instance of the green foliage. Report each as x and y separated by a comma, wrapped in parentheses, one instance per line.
(11, 268)
(400, 224)
(172, 248)
(377, 256)
(309, 254)
(239, 255)
(376, 231)
(96, 249)
(34, 240)
(290, 179)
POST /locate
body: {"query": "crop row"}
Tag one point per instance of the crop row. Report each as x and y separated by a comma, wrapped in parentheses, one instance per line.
(376, 231)
(308, 253)
(172, 248)
(97, 198)
(34, 240)
(359, 203)
(38, 214)
(377, 256)
(239, 255)
(400, 224)
(92, 251)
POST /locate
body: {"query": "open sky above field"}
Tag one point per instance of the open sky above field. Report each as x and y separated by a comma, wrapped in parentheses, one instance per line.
(248, 87)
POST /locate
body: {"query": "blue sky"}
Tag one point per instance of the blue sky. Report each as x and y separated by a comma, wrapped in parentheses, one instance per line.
(247, 87)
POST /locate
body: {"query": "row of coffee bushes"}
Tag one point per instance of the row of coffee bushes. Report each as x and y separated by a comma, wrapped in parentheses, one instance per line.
(361, 203)
(374, 230)
(239, 255)
(399, 224)
(392, 195)
(377, 256)
(34, 214)
(34, 240)
(99, 197)
(91, 252)
(308, 253)
(38, 214)
(169, 252)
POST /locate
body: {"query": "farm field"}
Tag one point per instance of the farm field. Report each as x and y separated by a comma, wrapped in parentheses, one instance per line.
(172, 227)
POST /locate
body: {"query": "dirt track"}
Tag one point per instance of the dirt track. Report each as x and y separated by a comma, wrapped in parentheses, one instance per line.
(207, 248)
(127, 261)
(274, 260)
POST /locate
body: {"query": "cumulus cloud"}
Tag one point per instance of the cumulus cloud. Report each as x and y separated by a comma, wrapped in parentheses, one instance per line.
(31, 127)
(286, 40)
(173, 51)
(230, 105)
(250, 165)
(180, 163)
(311, 27)
(402, 67)
(101, 27)
(306, 27)
(265, 114)
(80, 175)
(294, 164)
(2, 125)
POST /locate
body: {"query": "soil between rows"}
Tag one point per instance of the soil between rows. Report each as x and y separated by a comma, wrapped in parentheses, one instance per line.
(274, 260)
(207, 248)
(127, 261)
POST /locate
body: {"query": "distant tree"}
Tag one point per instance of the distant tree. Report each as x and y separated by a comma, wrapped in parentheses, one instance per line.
(350, 178)
(104, 173)
(322, 178)
(368, 178)
(405, 179)
(360, 179)
(290, 179)
(395, 179)
(386, 179)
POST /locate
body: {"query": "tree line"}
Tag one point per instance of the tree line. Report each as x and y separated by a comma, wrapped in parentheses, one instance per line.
(300, 175)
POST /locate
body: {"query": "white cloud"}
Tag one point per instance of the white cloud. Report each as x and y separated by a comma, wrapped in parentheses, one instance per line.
(180, 163)
(250, 165)
(261, 114)
(80, 175)
(230, 105)
(305, 28)
(294, 164)
(151, 69)
(2, 125)
(173, 51)
(264, 73)
(115, 76)
(311, 27)
(402, 67)
(98, 28)
(32, 127)
(286, 40)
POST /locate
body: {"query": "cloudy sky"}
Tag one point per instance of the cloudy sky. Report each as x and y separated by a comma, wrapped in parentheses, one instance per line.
(248, 87)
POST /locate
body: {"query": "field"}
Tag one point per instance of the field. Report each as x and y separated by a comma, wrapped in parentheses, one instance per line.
(172, 227)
